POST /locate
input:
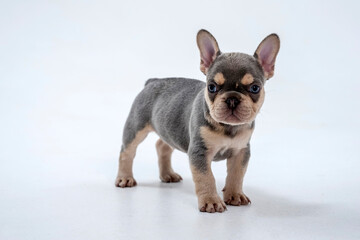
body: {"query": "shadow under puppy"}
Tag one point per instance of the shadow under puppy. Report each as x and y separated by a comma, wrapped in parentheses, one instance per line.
(209, 121)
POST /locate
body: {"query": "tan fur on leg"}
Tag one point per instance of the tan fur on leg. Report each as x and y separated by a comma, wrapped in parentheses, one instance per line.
(208, 199)
(125, 175)
(164, 152)
(236, 168)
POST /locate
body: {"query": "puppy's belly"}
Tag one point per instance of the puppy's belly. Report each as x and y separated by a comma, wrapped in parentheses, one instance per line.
(178, 142)
(171, 123)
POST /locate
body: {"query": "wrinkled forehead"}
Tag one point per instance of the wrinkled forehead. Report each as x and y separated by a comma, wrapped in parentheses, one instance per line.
(231, 68)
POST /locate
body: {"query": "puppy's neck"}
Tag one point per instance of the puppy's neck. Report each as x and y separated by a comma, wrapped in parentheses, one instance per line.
(226, 129)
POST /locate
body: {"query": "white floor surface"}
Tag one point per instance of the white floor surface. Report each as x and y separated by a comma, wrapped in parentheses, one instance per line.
(70, 70)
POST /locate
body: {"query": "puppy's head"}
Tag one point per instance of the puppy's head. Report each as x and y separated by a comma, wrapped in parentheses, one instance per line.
(235, 81)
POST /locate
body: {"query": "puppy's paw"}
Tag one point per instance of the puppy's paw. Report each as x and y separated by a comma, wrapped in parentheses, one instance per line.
(125, 182)
(235, 198)
(170, 177)
(211, 204)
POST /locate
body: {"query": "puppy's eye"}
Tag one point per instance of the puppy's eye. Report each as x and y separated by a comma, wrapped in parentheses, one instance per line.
(212, 88)
(255, 89)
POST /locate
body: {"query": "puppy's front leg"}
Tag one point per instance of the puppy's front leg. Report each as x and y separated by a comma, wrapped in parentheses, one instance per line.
(208, 199)
(236, 168)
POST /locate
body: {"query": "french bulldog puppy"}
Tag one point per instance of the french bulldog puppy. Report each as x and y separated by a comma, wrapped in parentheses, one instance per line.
(209, 121)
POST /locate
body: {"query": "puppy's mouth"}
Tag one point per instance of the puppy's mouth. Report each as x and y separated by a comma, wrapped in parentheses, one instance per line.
(239, 115)
(232, 119)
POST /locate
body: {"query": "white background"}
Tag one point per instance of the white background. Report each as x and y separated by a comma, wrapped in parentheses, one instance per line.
(69, 71)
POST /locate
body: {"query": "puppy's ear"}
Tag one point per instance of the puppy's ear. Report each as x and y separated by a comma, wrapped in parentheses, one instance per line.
(209, 49)
(266, 54)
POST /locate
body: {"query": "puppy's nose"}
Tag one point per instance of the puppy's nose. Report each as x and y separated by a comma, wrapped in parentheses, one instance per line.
(232, 102)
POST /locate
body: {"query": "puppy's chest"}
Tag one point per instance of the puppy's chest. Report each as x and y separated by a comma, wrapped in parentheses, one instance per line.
(223, 146)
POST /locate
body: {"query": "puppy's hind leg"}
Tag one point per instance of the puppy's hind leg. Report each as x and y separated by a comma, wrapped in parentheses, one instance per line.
(125, 174)
(164, 152)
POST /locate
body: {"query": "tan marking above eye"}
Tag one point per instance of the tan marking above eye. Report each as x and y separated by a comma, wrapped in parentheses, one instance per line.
(247, 79)
(219, 78)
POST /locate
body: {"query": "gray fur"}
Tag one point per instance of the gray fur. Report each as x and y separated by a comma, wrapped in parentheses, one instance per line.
(166, 104)
(209, 121)
(247, 155)
(176, 108)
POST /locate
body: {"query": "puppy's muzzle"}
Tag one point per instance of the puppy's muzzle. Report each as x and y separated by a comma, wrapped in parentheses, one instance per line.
(232, 102)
